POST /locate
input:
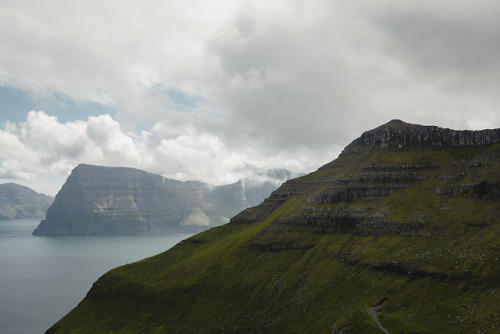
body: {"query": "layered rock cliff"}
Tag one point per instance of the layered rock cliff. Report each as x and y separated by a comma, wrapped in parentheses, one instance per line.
(400, 136)
(99, 200)
(395, 163)
(18, 202)
(398, 221)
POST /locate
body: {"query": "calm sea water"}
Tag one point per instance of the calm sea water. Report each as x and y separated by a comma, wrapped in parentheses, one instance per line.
(43, 278)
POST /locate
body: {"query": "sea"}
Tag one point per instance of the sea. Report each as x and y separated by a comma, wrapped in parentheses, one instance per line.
(43, 278)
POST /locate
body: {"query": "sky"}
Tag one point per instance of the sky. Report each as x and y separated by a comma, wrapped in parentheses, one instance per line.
(216, 90)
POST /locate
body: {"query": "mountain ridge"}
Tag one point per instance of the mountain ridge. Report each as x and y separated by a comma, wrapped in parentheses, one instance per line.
(413, 232)
(398, 135)
(17, 202)
(398, 175)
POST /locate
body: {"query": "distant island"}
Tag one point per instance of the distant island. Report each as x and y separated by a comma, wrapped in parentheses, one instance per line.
(19, 202)
(399, 234)
(97, 200)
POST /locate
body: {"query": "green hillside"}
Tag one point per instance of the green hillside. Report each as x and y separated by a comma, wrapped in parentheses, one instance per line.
(396, 221)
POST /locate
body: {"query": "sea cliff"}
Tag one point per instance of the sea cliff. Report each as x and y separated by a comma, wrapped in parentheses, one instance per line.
(97, 200)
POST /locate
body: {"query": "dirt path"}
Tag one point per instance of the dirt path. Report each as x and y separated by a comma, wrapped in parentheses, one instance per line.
(373, 314)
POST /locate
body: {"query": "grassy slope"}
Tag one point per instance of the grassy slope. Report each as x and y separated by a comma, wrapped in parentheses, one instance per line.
(234, 278)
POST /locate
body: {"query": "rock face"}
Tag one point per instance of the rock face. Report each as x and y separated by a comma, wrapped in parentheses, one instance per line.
(400, 136)
(407, 218)
(352, 193)
(18, 202)
(99, 200)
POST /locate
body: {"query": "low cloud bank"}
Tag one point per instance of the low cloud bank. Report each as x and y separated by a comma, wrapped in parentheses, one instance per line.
(43, 145)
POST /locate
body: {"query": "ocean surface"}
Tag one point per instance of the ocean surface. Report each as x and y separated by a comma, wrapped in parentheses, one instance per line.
(43, 278)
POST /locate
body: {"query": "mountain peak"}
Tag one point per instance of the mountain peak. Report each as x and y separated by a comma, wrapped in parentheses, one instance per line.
(397, 123)
(397, 135)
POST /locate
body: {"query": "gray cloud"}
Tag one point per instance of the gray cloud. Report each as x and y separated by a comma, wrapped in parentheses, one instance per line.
(286, 84)
(439, 45)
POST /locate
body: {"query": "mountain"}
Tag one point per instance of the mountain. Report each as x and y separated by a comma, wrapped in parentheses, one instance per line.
(98, 200)
(401, 228)
(18, 202)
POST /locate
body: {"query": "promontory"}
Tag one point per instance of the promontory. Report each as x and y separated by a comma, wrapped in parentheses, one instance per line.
(98, 200)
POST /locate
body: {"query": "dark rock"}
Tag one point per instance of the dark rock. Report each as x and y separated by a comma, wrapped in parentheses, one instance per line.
(352, 194)
(400, 136)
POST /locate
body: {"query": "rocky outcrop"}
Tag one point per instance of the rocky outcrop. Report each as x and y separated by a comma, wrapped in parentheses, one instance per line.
(99, 200)
(18, 202)
(401, 136)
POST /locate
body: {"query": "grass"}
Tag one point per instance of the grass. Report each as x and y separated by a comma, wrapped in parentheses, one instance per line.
(279, 275)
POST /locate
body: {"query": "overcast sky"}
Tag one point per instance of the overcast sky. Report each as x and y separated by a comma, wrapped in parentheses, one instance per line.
(211, 90)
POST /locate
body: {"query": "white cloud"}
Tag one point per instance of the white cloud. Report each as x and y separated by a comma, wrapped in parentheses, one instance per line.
(18, 159)
(41, 131)
(107, 142)
(206, 87)
(287, 63)
(43, 145)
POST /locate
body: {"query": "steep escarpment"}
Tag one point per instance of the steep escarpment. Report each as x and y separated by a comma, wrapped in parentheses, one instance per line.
(401, 136)
(18, 202)
(99, 200)
(386, 183)
(414, 231)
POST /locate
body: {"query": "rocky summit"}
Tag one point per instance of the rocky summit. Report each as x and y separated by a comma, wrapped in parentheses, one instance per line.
(398, 234)
(97, 200)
